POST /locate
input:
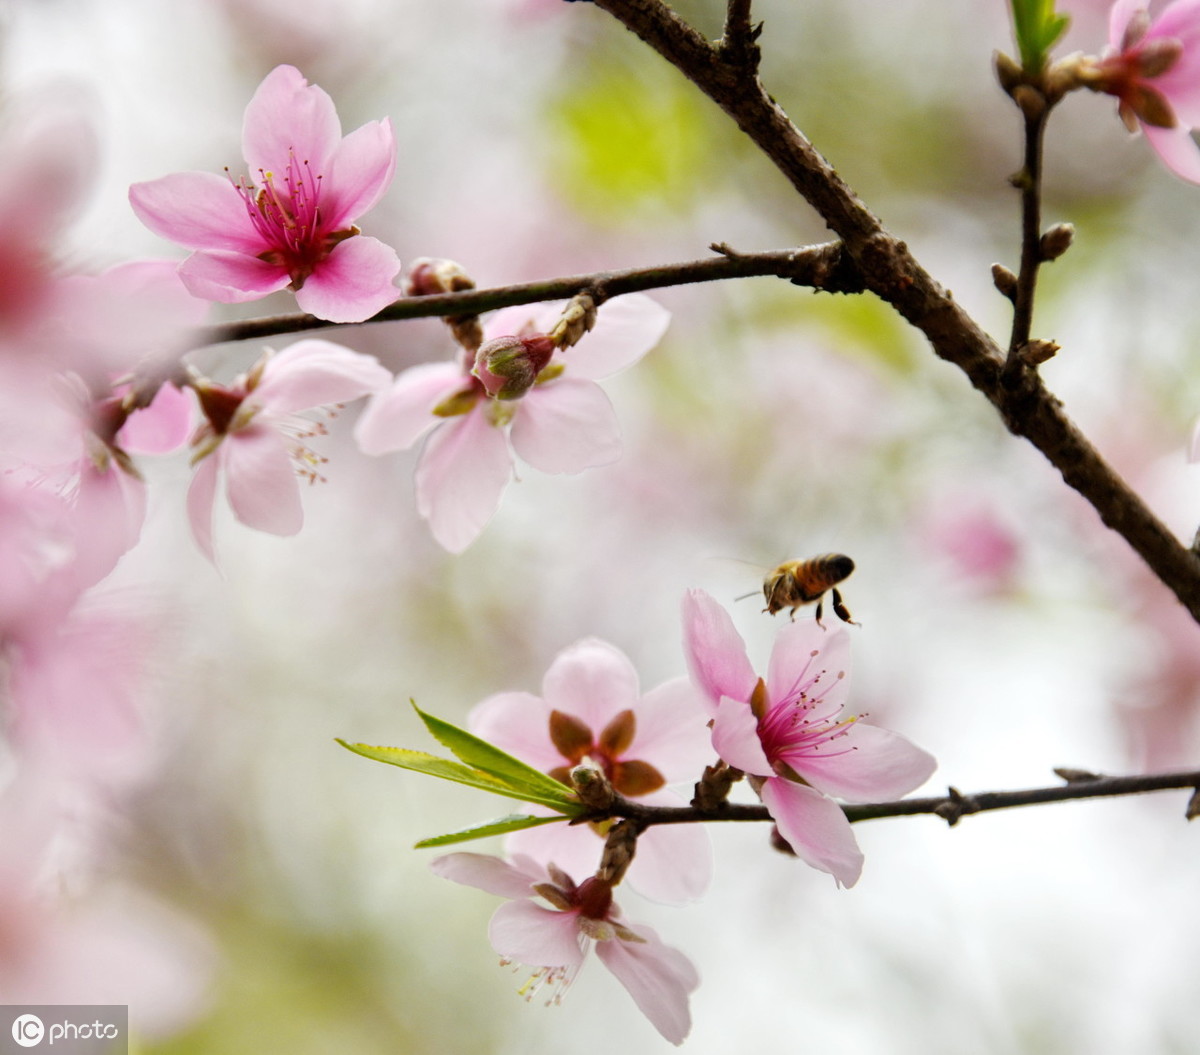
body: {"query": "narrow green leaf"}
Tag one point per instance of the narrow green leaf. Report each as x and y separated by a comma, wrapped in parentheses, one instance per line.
(513, 823)
(447, 769)
(485, 756)
(1037, 27)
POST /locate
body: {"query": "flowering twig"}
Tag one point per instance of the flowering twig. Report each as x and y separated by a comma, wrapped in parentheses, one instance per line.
(890, 271)
(951, 807)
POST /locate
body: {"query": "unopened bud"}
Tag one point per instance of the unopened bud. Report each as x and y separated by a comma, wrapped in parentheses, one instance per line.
(509, 366)
(1057, 241)
(1030, 100)
(1004, 280)
(429, 276)
(1008, 71)
(577, 318)
(1038, 350)
(592, 786)
(619, 848)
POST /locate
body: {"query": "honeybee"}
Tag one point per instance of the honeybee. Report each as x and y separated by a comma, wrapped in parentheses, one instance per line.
(799, 582)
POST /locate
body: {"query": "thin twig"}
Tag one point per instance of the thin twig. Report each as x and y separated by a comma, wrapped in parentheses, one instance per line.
(951, 807)
(891, 272)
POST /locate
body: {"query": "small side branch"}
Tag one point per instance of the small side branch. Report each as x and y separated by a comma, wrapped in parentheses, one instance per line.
(738, 45)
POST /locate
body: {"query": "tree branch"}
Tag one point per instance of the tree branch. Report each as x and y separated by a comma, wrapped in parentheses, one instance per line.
(951, 807)
(890, 271)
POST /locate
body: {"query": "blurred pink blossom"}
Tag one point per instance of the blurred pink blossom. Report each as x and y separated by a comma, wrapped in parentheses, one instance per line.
(255, 434)
(556, 940)
(292, 224)
(791, 735)
(1153, 67)
(563, 424)
(591, 708)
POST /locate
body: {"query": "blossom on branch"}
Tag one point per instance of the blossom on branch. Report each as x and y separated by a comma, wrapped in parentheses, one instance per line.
(1152, 66)
(556, 940)
(256, 435)
(792, 735)
(562, 423)
(291, 223)
(591, 710)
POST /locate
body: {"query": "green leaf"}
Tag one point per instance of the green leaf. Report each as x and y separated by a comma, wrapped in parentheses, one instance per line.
(513, 823)
(482, 755)
(1037, 27)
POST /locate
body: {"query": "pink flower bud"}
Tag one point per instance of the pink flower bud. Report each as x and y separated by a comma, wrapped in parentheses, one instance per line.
(509, 366)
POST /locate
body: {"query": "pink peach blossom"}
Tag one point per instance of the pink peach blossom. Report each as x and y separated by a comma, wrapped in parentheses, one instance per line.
(791, 734)
(1153, 67)
(256, 437)
(563, 424)
(556, 940)
(591, 708)
(292, 223)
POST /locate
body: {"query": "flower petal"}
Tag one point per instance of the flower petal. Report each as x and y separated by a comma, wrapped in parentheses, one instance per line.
(160, 427)
(202, 493)
(396, 418)
(200, 210)
(316, 373)
(566, 426)
(231, 277)
(658, 978)
(519, 723)
(576, 849)
(353, 283)
(486, 872)
(360, 172)
(804, 652)
(626, 329)
(261, 481)
(672, 730)
(716, 653)
(540, 937)
(461, 477)
(1177, 150)
(592, 680)
(735, 738)
(287, 116)
(815, 827)
(674, 862)
(866, 764)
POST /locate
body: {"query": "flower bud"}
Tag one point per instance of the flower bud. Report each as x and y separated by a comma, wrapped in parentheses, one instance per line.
(1056, 241)
(1038, 350)
(508, 366)
(429, 276)
(1008, 71)
(1004, 280)
(577, 318)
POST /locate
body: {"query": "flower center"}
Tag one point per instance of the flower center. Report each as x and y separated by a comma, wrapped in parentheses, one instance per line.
(575, 741)
(803, 721)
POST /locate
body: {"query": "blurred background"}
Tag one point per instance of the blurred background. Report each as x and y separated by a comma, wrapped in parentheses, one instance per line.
(255, 884)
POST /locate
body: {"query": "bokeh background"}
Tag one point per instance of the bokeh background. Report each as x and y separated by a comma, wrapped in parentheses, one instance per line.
(261, 880)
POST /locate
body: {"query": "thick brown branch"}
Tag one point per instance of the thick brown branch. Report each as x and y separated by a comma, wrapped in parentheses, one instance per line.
(820, 266)
(891, 272)
(950, 807)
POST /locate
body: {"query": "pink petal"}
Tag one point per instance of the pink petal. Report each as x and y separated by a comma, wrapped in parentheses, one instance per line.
(289, 116)
(575, 849)
(540, 937)
(815, 827)
(674, 862)
(566, 426)
(261, 481)
(359, 174)
(658, 978)
(201, 496)
(672, 731)
(592, 680)
(353, 283)
(396, 418)
(486, 872)
(867, 764)
(804, 651)
(716, 653)
(461, 477)
(200, 210)
(626, 329)
(110, 508)
(316, 373)
(1118, 19)
(522, 319)
(735, 738)
(517, 722)
(161, 427)
(1177, 150)
(230, 277)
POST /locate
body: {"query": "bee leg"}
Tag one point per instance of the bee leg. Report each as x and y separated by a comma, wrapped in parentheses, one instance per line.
(820, 602)
(843, 613)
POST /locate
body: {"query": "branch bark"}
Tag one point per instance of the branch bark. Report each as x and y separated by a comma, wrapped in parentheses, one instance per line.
(890, 271)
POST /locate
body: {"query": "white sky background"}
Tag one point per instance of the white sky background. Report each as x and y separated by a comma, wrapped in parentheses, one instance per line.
(1062, 929)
